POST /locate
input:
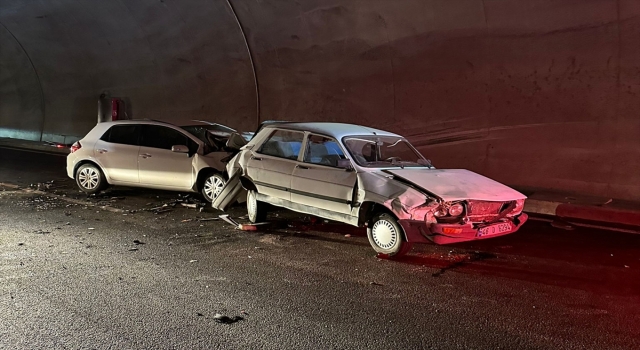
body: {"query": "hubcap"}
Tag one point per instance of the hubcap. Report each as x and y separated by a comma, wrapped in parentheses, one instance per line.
(213, 186)
(252, 205)
(89, 178)
(384, 234)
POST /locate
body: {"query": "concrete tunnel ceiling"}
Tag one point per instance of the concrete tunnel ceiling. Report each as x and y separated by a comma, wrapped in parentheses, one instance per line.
(533, 93)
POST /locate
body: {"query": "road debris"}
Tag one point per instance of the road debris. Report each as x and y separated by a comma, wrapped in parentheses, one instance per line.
(193, 260)
(376, 284)
(41, 232)
(133, 249)
(207, 219)
(220, 318)
(562, 225)
(137, 242)
(243, 227)
(186, 220)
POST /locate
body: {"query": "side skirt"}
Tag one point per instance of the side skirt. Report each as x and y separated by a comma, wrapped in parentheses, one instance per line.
(305, 209)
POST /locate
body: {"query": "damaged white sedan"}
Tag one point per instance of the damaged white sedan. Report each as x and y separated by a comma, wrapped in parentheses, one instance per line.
(367, 177)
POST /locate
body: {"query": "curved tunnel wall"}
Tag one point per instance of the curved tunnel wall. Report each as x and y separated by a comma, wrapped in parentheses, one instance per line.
(534, 93)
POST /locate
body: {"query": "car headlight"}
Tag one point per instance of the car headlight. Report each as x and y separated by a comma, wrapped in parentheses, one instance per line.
(440, 212)
(456, 209)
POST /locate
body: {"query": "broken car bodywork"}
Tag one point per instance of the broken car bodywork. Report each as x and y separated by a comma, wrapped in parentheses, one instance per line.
(431, 205)
(190, 164)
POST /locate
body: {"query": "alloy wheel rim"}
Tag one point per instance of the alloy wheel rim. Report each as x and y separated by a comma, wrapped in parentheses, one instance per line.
(384, 234)
(89, 178)
(213, 187)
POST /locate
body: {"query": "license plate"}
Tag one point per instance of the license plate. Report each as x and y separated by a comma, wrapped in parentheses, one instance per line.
(494, 229)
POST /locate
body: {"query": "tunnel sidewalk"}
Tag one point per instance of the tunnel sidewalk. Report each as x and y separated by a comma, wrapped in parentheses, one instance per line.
(586, 211)
(40, 146)
(557, 207)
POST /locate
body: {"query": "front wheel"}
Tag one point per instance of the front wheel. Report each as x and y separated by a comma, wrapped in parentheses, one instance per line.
(256, 210)
(386, 236)
(212, 186)
(90, 179)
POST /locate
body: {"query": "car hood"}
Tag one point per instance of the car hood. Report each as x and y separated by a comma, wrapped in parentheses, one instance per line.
(457, 184)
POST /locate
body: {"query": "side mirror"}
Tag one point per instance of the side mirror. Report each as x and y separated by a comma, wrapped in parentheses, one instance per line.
(236, 141)
(345, 164)
(180, 149)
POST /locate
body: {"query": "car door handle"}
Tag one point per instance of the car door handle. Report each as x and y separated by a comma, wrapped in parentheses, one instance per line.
(145, 155)
(256, 158)
(100, 150)
(302, 166)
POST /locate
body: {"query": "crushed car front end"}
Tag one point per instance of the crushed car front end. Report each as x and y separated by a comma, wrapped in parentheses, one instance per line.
(467, 220)
(452, 205)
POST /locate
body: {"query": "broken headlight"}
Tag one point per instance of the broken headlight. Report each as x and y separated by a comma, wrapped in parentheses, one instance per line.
(519, 206)
(456, 209)
(449, 210)
(440, 212)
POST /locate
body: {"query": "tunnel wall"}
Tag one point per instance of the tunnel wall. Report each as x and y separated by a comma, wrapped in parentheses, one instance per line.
(533, 93)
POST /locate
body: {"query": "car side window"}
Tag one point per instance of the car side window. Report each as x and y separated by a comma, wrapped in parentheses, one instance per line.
(323, 150)
(282, 144)
(122, 134)
(157, 136)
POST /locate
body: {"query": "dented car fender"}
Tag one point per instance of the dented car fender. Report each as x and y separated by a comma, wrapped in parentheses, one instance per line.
(403, 201)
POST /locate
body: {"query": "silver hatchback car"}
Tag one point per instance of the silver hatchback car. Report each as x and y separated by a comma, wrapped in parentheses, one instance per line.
(151, 154)
(368, 177)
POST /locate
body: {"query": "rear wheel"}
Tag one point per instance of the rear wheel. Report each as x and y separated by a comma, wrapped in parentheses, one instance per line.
(386, 236)
(90, 179)
(256, 210)
(212, 186)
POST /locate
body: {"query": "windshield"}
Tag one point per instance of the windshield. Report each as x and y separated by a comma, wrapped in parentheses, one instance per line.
(383, 151)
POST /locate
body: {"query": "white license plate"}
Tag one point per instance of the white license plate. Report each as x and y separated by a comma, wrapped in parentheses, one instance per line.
(494, 229)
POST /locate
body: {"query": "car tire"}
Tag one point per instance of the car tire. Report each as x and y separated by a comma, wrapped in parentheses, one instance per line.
(386, 236)
(90, 179)
(256, 210)
(212, 185)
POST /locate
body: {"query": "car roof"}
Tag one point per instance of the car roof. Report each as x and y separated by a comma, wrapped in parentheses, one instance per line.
(138, 121)
(337, 130)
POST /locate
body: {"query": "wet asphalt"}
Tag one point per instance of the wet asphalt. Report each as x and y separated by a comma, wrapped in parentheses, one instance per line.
(106, 272)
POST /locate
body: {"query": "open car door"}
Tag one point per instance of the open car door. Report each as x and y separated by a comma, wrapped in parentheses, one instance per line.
(229, 194)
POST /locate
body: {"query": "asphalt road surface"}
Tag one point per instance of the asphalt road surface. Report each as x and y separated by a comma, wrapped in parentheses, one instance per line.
(107, 272)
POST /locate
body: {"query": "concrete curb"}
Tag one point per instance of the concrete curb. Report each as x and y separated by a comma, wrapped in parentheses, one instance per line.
(609, 218)
(33, 146)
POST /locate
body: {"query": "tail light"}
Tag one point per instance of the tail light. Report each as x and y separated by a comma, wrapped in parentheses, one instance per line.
(76, 146)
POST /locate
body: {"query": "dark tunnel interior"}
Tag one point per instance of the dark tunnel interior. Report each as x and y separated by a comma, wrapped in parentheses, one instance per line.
(533, 93)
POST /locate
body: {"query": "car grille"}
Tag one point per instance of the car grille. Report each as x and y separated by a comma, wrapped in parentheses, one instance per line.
(485, 211)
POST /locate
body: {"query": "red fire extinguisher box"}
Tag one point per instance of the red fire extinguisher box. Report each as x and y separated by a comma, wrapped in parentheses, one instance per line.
(115, 108)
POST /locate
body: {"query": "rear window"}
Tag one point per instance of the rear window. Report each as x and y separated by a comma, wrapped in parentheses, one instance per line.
(122, 134)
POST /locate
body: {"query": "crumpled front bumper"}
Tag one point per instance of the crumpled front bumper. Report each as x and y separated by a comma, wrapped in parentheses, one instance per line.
(421, 232)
